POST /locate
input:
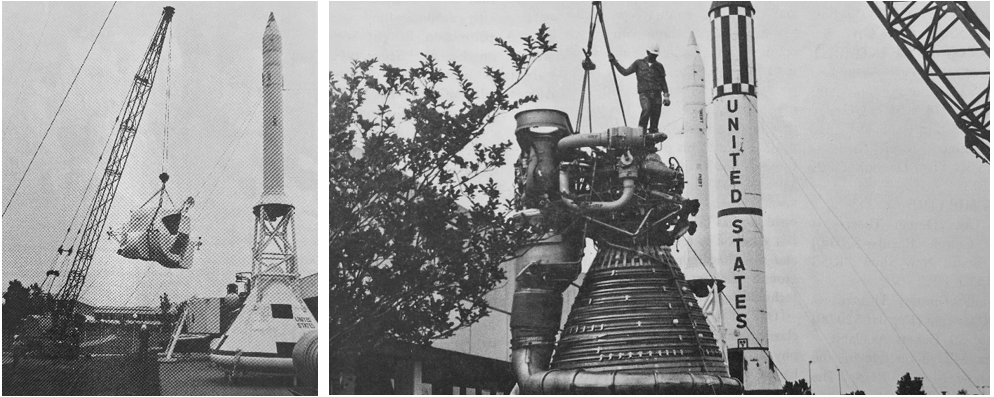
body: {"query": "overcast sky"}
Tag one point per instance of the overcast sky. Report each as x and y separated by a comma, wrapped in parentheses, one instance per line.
(840, 106)
(215, 135)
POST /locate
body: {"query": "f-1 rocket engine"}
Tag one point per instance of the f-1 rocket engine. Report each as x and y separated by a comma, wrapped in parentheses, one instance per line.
(635, 327)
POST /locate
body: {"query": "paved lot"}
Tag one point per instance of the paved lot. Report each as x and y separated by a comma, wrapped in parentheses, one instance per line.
(114, 368)
(110, 376)
(197, 377)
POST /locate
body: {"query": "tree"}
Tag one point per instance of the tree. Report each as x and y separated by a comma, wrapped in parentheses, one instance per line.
(961, 392)
(907, 385)
(40, 301)
(856, 393)
(17, 305)
(416, 238)
(796, 388)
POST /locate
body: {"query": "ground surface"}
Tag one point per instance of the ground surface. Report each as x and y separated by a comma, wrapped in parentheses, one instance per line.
(113, 367)
(197, 377)
(118, 375)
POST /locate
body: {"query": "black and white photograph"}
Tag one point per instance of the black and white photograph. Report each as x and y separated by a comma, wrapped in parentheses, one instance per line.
(160, 211)
(659, 198)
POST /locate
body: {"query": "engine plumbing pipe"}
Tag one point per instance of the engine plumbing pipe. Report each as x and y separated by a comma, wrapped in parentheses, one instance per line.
(618, 138)
(628, 191)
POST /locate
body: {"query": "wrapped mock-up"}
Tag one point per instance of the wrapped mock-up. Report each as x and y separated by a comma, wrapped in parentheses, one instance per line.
(160, 235)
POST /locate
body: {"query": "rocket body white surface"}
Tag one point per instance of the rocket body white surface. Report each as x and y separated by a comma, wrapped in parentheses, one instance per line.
(736, 197)
(695, 167)
(695, 250)
(272, 114)
(262, 337)
(274, 251)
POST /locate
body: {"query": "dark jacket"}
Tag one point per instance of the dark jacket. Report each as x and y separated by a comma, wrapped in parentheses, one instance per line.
(651, 75)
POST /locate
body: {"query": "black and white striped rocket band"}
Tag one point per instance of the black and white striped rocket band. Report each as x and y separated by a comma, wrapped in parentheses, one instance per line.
(733, 50)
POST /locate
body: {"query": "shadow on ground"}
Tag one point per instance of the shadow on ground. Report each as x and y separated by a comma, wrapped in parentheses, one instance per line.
(111, 366)
(119, 375)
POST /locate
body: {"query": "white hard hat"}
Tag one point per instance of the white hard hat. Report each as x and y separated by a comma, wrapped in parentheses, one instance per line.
(653, 49)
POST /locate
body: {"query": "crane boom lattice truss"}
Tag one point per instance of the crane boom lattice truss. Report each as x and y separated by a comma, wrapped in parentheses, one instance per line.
(944, 41)
(133, 109)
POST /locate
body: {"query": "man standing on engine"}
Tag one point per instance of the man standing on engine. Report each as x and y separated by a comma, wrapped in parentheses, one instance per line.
(651, 78)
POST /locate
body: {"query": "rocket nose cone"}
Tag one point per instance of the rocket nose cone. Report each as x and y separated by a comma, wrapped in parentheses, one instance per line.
(693, 40)
(271, 28)
(720, 4)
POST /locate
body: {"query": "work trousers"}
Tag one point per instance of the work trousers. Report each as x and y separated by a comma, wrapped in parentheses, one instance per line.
(652, 106)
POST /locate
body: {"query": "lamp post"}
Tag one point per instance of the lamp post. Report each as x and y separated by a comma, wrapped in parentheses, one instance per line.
(839, 372)
(811, 382)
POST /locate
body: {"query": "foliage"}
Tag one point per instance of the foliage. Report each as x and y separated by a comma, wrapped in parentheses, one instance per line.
(961, 392)
(907, 385)
(798, 387)
(856, 393)
(40, 301)
(17, 305)
(416, 237)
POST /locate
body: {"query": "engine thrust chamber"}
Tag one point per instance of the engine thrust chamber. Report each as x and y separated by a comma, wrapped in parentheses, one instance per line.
(635, 327)
(635, 311)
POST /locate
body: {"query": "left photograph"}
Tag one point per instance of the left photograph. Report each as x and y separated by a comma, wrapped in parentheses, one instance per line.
(160, 188)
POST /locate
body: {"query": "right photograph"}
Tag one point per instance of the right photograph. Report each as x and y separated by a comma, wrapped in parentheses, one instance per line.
(659, 198)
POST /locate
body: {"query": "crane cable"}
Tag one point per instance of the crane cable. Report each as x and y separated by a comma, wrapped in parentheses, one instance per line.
(75, 215)
(596, 14)
(222, 160)
(96, 166)
(82, 199)
(59, 109)
(849, 261)
(849, 380)
(607, 47)
(587, 65)
(763, 348)
(165, 143)
(870, 260)
(165, 126)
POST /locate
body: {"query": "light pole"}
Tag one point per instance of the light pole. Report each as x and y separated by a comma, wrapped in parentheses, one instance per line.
(839, 372)
(811, 382)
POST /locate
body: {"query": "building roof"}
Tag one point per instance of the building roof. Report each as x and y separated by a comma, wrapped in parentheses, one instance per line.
(124, 309)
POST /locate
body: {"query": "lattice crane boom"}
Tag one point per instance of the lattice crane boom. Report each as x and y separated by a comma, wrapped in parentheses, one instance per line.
(134, 108)
(931, 35)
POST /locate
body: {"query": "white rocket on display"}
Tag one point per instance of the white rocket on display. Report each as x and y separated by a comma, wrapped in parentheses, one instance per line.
(272, 114)
(736, 197)
(695, 164)
(275, 249)
(273, 318)
(696, 249)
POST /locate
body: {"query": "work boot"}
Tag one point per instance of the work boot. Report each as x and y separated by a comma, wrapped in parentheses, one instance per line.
(662, 136)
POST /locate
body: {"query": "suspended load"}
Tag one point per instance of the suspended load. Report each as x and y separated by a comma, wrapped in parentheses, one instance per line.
(159, 234)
